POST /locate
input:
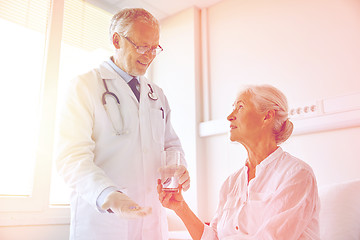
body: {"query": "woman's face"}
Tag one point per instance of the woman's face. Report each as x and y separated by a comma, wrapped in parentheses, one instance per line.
(246, 123)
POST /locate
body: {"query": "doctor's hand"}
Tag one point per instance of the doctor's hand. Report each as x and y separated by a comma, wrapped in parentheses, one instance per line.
(123, 206)
(171, 200)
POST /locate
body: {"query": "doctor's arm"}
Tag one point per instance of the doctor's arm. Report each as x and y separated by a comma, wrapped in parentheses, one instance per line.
(74, 151)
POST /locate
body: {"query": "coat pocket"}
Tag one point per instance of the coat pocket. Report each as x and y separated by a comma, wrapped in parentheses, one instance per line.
(157, 120)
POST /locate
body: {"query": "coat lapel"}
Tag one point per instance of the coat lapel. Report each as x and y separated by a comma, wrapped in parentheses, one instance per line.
(115, 82)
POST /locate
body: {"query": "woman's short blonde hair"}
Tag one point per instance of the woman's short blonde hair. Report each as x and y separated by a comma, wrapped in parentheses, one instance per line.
(265, 98)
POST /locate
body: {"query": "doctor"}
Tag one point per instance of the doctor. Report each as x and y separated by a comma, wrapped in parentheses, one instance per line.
(111, 130)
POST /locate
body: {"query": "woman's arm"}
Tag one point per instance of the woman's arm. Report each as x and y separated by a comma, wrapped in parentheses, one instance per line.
(176, 202)
(191, 221)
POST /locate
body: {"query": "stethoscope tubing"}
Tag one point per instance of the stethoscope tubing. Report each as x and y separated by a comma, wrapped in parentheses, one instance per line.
(108, 92)
(151, 94)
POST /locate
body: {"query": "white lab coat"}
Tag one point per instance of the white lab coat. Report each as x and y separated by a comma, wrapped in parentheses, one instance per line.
(90, 157)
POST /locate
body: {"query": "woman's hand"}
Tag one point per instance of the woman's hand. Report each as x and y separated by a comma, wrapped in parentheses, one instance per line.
(175, 201)
(171, 200)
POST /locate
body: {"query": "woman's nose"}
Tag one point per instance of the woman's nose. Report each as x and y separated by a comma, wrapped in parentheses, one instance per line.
(231, 117)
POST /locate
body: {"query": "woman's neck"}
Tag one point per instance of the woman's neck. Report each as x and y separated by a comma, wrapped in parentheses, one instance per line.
(256, 155)
(258, 152)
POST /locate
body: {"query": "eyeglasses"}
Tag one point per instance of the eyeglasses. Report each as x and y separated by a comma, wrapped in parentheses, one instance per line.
(142, 49)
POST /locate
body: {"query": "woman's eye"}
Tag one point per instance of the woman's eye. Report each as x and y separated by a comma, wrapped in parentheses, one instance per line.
(237, 108)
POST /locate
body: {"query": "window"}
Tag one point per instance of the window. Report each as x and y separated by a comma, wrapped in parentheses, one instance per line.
(39, 54)
(23, 26)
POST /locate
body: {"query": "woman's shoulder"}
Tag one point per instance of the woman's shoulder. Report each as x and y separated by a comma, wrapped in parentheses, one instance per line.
(294, 165)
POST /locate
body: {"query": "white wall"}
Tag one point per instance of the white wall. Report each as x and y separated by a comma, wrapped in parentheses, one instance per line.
(176, 71)
(308, 49)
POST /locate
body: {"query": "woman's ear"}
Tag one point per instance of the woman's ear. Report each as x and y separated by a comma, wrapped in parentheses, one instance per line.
(116, 40)
(270, 115)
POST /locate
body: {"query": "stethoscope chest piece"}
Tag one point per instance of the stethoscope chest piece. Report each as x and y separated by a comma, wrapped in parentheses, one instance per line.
(151, 94)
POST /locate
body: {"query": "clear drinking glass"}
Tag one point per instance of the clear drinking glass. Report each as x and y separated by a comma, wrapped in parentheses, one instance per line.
(170, 161)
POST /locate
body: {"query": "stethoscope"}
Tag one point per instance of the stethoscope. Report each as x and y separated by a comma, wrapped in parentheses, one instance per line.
(151, 94)
(117, 120)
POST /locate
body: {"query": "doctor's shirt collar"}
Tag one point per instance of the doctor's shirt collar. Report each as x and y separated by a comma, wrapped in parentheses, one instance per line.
(119, 71)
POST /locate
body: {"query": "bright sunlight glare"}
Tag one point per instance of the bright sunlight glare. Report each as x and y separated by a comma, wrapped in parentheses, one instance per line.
(19, 101)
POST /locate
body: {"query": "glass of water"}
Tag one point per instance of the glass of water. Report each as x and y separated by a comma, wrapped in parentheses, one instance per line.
(170, 161)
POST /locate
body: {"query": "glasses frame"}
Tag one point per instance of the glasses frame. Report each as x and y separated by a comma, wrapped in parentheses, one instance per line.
(142, 49)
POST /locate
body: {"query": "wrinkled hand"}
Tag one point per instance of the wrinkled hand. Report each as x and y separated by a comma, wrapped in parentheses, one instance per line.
(171, 200)
(123, 206)
(184, 178)
(181, 173)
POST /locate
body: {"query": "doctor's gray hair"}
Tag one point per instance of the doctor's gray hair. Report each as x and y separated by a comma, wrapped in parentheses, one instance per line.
(123, 20)
(267, 97)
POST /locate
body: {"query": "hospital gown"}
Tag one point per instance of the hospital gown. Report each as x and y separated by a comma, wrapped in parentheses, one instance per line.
(281, 202)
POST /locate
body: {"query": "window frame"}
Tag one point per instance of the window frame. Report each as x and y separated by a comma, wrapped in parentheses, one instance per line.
(36, 209)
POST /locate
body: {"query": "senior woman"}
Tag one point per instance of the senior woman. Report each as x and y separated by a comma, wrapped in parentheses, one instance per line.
(274, 196)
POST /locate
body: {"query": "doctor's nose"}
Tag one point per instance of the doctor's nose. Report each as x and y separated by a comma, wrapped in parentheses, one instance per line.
(148, 55)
